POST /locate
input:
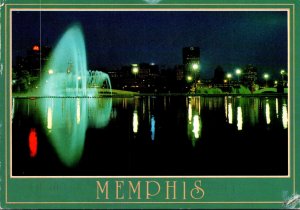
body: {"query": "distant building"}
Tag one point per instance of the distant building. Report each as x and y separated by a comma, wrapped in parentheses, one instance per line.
(249, 77)
(179, 69)
(191, 55)
(219, 76)
(191, 61)
(28, 69)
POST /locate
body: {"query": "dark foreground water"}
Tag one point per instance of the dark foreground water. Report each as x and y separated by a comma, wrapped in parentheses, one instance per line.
(150, 136)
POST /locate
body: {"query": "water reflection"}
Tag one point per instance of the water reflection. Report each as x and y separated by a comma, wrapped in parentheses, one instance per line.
(33, 142)
(194, 119)
(77, 110)
(242, 111)
(49, 118)
(268, 118)
(152, 127)
(67, 122)
(277, 107)
(196, 126)
(135, 122)
(229, 112)
(284, 116)
(190, 113)
(239, 118)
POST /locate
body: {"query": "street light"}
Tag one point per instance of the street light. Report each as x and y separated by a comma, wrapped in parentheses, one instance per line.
(135, 71)
(229, 76)
(238, 72)
(195, 66)
(266, 76)
(189, 78)
(282, 72)
(135, 68)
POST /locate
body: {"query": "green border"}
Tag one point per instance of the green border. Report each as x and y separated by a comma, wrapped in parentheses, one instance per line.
(81, 192)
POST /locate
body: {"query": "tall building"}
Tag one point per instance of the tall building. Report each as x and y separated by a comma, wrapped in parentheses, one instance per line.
(191, 61)
(191, 55)
(249, 77)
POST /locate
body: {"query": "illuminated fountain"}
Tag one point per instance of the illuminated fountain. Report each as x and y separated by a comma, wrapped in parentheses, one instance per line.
(67, 119)
(66, 71)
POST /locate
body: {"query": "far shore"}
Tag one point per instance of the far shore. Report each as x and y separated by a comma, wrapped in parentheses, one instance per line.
(128, 94)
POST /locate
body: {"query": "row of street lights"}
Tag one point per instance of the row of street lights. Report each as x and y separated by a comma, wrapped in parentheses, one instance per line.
(195, 67)
(265, 76)
(238, 73)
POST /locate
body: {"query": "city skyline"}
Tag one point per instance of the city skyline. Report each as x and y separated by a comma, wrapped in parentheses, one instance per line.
(116, 38)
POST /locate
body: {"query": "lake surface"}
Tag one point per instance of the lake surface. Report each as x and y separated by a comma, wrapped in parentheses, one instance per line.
(164, 135)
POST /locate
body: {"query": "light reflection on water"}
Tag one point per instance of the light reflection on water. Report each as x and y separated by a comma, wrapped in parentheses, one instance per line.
(284, 116)
(67, 120)
(135, 122)
(268, 117)
(152, 127)
(194, 119)
(239, 118)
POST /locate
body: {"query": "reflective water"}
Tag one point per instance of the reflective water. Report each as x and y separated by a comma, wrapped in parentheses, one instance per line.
(165, 135)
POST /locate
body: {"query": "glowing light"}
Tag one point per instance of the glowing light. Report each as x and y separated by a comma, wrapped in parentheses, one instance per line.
(230, 113)
(266, 76)
(277, 107)
(196, 126)
(190, 110)
(135, 122)
(268, 119)
(238, 71)
(284, 116)
(135, 68)
(79, 77)
(189, 78)
(275, 82)
(229, 76)
(50, 71)
(239, 118)
(49, 118)
(195, 66)
(78, 111)
(282, 71)
(36, 48)
(152, 128)
(226, 107)
(33, 142)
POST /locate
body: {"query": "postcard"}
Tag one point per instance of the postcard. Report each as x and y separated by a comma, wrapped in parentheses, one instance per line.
(142, 104)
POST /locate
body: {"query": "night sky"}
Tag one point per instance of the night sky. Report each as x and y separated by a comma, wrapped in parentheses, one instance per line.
(115, 38)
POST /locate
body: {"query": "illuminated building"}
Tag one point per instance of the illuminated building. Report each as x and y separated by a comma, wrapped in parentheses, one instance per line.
(191, 58)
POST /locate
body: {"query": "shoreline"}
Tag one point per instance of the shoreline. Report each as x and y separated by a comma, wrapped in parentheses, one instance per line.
(131, 95)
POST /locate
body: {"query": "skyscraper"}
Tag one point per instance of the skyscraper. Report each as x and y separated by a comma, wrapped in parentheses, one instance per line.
(191, 55)
(191, 61)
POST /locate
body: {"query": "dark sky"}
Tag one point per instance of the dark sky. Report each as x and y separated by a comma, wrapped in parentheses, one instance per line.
(227, 38)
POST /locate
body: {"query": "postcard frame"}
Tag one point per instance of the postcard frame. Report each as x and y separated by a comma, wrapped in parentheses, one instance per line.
(81, 192)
